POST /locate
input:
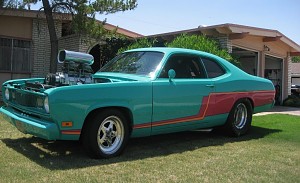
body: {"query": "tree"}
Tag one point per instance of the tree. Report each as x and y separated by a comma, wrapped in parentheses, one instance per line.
(83, 13)
(8, 4)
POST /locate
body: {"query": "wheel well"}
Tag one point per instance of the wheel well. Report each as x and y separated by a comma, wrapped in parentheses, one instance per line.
(124, 110)
(251, 102)
(247, 99)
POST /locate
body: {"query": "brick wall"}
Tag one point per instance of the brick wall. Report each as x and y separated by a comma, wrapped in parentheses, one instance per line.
(41, 48)
(74, 43)
(70, 42)
(87, 43)
(224, 42)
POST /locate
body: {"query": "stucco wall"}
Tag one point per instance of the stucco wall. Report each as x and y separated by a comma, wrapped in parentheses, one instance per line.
(289, 75)
(16, 27)
(276, 49)
(256, 43)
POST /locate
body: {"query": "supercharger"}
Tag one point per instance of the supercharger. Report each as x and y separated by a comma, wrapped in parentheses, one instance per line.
(76, 69)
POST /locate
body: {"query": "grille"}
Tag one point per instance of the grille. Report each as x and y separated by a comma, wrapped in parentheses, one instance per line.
(26, 99)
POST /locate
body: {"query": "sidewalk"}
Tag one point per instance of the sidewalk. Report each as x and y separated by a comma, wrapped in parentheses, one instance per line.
(281, 110)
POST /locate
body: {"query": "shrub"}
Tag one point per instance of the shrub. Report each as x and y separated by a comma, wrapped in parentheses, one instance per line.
(292, 101)
(296, 59)
(195, 42)
(201, 43)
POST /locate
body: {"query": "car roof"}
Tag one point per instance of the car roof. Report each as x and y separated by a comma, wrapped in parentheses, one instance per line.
(168, 50)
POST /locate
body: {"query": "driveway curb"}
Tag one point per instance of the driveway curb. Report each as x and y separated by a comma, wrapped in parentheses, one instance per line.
(281, 110)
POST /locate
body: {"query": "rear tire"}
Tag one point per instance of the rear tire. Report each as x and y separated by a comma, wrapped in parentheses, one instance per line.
(106, 135)
(240, 117)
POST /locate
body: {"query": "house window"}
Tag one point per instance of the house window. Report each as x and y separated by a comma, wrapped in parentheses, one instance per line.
(15, 55)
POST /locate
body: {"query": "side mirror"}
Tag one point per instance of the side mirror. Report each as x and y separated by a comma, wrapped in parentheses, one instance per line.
(171, 74)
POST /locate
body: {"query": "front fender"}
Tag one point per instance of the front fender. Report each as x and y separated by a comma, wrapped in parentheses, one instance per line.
(74, 103)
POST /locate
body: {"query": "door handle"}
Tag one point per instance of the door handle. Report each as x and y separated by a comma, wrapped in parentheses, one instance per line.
(210, 85)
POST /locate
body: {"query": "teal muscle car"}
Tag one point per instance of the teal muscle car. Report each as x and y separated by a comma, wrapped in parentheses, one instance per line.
(140, 92)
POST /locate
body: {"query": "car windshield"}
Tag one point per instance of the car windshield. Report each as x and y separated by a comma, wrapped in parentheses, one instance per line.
(139, 62)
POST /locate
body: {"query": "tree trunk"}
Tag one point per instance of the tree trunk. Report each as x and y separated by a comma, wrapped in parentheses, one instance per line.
(53, 36)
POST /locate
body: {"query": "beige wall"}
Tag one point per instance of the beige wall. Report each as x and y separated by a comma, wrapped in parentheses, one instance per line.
(16, 27)
(277, 49)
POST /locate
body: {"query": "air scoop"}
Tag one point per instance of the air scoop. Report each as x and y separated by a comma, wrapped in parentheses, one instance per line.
(77, 57)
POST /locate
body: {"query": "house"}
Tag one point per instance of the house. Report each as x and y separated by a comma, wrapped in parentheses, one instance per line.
(295, 73)
(261, 52)
(25, 42)
(25, 46)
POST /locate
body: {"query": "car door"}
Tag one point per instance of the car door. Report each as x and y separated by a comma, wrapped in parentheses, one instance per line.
(179, 103)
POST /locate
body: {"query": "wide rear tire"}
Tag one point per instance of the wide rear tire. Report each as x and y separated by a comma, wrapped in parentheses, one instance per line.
(240, 117)
(106, 135)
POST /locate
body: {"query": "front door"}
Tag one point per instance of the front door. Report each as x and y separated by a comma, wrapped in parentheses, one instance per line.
(180, 102)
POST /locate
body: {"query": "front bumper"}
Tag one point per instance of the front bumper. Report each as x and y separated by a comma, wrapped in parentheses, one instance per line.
(30, 125)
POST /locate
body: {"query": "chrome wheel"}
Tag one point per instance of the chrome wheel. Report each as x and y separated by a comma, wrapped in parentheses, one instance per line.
(240, 116)
(110, 135)
(239, 119)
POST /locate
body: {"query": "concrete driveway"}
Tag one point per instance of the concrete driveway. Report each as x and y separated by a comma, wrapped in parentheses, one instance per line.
(281, 110)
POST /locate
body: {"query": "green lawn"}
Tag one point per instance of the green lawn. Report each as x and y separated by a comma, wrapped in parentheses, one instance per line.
(269, 153)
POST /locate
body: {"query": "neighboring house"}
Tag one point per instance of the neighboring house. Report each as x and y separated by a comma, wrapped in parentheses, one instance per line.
(25, 42)
(261, 52)
(295, 73)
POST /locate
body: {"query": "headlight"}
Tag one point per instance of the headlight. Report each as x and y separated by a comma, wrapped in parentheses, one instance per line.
(7, 94)
(46, 105)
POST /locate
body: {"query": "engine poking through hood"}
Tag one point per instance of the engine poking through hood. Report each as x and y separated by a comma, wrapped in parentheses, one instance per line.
(76, 70)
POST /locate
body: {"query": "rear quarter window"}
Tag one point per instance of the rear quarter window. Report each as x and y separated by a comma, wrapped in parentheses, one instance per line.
(213, 68)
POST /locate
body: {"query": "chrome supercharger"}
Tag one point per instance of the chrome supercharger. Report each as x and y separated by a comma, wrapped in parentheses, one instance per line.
(76, 69)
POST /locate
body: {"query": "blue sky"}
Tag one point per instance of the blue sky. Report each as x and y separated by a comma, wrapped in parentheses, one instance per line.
(160, 16)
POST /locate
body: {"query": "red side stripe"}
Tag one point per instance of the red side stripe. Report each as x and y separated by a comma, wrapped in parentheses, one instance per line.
(217, 103)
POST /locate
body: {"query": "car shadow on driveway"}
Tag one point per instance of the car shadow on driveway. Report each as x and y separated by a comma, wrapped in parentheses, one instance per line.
(64, 155)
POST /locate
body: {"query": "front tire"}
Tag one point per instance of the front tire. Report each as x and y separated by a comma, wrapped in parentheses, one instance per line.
(106, 135)
(240, 117)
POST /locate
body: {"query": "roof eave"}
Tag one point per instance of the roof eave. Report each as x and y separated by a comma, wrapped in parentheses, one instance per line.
(239, 31)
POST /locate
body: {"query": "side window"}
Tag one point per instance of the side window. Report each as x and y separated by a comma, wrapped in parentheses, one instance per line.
(185, 66)
(213, 69)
